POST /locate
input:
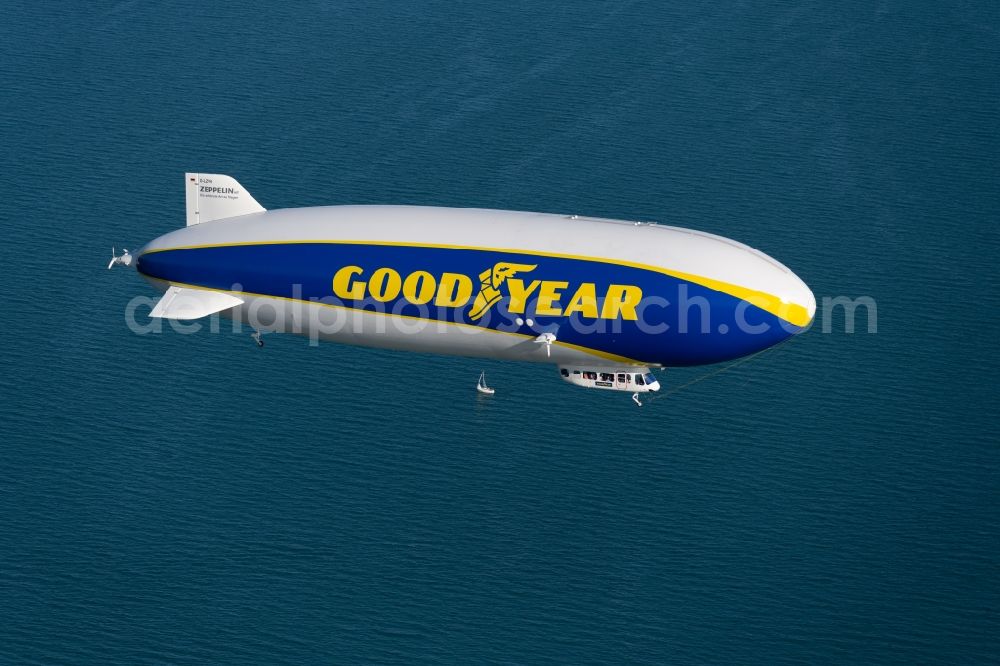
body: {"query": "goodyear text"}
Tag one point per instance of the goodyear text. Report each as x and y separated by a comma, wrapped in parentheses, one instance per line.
(551, 298)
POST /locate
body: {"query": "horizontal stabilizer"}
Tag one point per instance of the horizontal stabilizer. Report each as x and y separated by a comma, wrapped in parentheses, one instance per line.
(185, 303)
(213, 196)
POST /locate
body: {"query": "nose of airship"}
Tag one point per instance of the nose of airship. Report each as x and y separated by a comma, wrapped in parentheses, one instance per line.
(782, 305)
(774, 288)
(767, 304)
(800, 300)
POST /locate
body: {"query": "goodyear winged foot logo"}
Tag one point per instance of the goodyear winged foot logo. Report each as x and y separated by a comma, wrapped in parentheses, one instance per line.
(489, 286)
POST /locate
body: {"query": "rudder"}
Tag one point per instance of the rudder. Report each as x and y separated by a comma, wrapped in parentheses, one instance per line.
(213, 196)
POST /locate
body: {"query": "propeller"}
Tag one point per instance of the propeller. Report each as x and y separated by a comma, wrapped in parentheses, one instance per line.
(546, 339)
(124, 260)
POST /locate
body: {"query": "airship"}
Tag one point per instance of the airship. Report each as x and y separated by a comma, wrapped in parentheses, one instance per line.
(605, 301)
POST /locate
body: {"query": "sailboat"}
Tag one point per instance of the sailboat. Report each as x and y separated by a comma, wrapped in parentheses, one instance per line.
(482, 387)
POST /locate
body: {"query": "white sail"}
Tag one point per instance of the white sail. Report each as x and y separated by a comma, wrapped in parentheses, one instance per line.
(482, 387)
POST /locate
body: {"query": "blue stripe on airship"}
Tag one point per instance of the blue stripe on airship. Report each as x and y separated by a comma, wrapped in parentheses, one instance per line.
(669, 330)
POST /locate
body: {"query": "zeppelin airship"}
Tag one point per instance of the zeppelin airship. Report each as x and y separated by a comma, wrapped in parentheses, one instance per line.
(603, 300)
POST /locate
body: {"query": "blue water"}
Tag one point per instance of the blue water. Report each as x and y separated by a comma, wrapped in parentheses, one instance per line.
(192, 499)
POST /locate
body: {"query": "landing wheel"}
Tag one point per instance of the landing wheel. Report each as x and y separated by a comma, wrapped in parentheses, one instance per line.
(260, 343)
(257, 338)
(635, 399)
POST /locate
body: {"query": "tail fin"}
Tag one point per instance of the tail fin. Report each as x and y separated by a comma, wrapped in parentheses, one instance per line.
(212, 196)
(187, 303)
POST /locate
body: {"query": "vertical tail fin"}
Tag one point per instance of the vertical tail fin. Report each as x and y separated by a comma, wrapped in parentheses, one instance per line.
(212, 196)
